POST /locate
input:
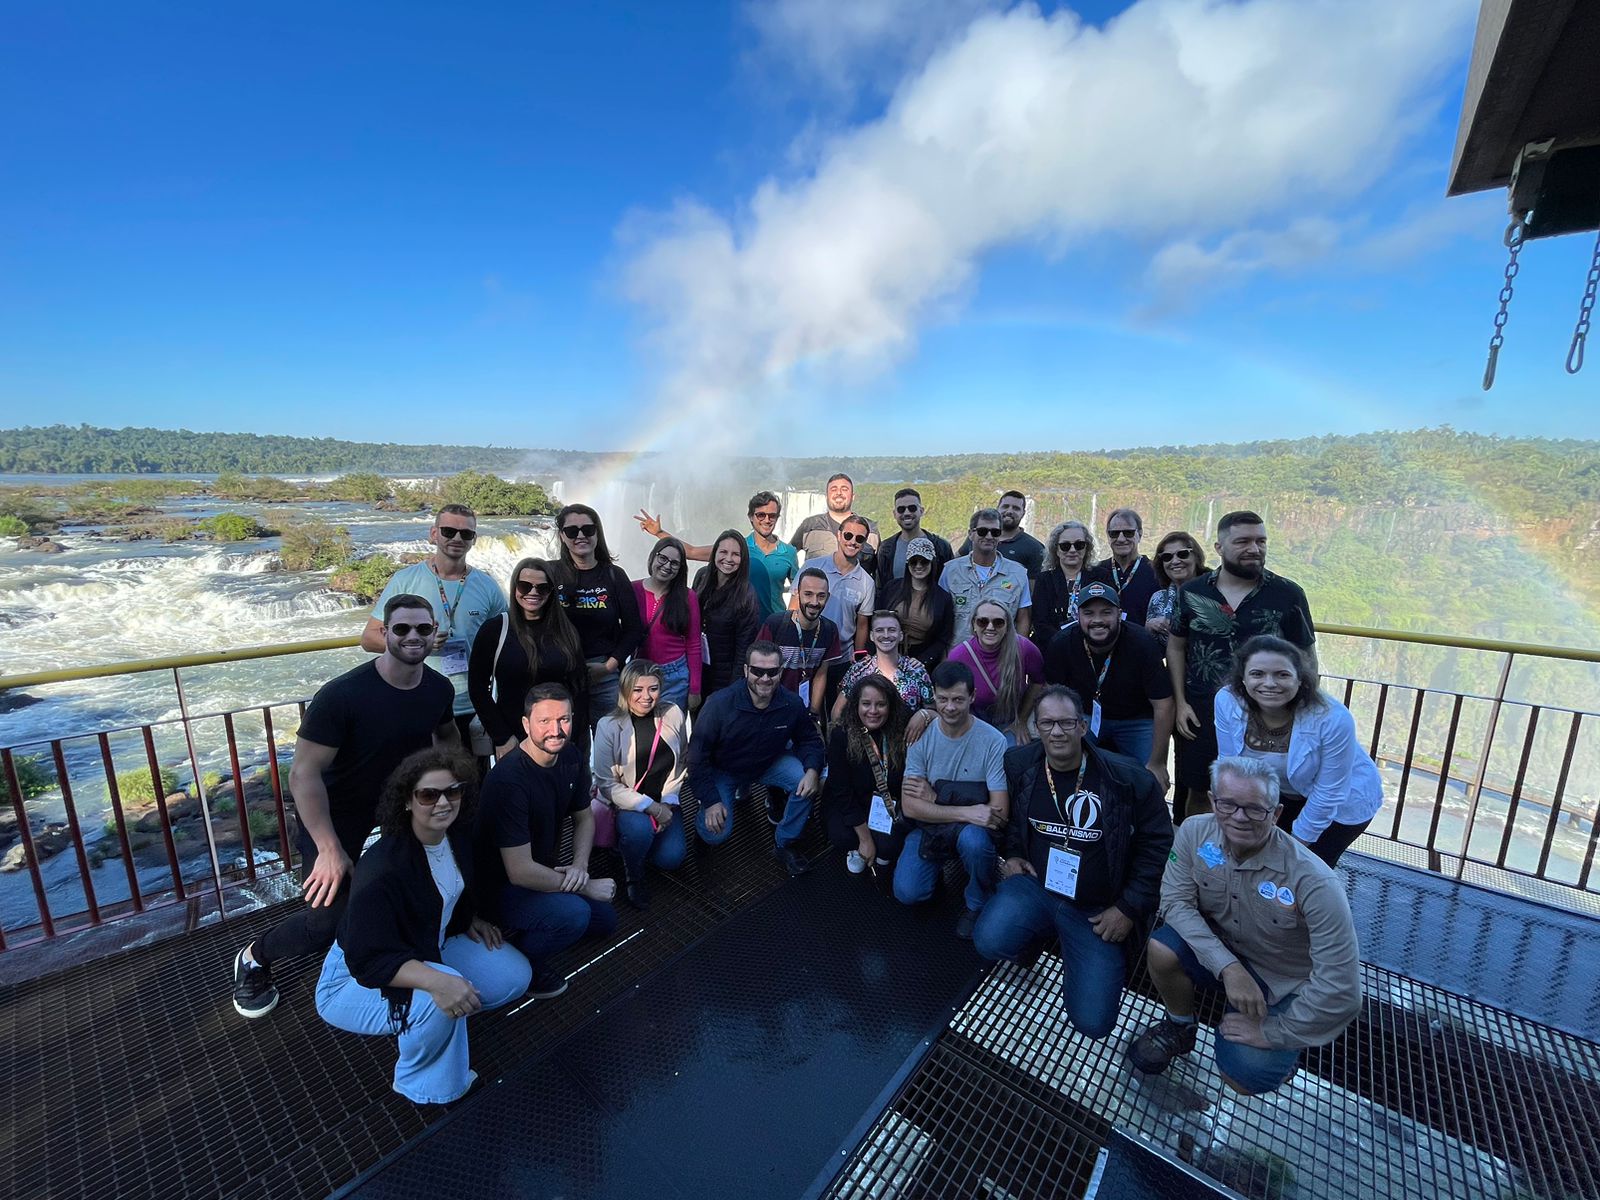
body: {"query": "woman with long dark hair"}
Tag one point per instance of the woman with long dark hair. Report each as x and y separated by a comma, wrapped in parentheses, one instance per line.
(730, 615)
(1273, 708)
(534, 643)
(926, 612)
(1007, 671)
(671, 612)
(598, 597)
(866, 766)
(413, 959)
(1068, 557)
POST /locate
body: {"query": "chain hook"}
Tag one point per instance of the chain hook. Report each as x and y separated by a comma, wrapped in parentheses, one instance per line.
(1580, 333)
(1513, 242)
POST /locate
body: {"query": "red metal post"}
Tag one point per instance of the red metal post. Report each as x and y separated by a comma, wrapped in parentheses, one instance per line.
(84, 872)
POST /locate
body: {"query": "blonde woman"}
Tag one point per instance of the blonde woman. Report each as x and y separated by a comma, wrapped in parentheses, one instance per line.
(1007, 671)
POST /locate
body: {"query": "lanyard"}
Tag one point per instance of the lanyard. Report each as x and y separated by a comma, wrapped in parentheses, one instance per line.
(1116, 574)
(800, 640)
(1050, 778)
(1101, 681)
(449, 608)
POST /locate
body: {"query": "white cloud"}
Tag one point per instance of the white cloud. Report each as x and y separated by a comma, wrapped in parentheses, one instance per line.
(1181, 122)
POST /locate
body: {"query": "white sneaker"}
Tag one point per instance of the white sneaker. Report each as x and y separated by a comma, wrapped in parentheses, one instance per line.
(854, 862)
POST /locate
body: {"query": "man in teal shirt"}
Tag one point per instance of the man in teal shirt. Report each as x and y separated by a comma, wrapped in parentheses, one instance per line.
(773, 562)
(463, 598)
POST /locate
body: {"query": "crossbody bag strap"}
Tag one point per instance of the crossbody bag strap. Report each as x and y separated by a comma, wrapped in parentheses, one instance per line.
(494, 680)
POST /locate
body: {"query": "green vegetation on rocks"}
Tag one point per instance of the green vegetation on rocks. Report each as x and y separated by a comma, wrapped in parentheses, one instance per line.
(230, 527)
(11, 526)
(134, 786)
(315, 546)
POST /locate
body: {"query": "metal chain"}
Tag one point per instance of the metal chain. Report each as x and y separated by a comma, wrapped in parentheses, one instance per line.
(1580, 334)
(1513, 243)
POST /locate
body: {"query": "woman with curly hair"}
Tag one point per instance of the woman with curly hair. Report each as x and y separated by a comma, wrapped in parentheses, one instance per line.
(412, 958)
(866, 764)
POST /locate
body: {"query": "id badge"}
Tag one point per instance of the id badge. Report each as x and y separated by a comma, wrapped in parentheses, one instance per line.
(1094, 719)
(878, 818)
(805, 693)
(1061, 872)
(453, 657)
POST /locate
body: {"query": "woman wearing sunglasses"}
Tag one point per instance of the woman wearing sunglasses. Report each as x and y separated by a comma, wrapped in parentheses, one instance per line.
(1178, 559)
(413, 959)
(1007, 671)
(640, 760)
(1069, 554)
(671, 612)
(534, 643)
(730, 614)
(599, 599)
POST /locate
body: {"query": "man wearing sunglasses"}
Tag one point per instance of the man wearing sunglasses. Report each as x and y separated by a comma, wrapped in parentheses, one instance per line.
(463, 598)
(1251, 912)
(984, 575)
(356, 730)
(1015, 543)
(756, 732)
(891, 563)
(773, 562)
(1125, 569)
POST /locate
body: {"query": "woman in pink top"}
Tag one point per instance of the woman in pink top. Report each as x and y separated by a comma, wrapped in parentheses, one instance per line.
(1007, 671)
(671, 614)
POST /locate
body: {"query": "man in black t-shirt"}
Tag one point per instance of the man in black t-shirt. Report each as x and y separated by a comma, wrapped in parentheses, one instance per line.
(1215, 614)
(817, 537)
(1015, 543)
(808, 641)
(1120, 677)
(542, 906)
(1083, 853)
(356, 730)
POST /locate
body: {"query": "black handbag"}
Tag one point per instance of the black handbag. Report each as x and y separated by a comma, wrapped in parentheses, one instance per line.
(939, 841)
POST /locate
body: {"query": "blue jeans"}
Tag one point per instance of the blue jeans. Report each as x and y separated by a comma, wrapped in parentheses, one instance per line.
(1135, 737)
(433, 1051)
(1093, 972)
(638, 842)
(784, 774)
(541, 923)
(602, 694)
(675, 683)
(914, 876)
(1253, 1071)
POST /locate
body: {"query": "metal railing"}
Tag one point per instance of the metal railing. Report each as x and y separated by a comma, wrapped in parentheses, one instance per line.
(1482, 778)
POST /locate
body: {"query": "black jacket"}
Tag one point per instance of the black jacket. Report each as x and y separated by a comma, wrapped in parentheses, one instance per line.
(1137, 823)
(1053, 608)
(729, 628)
(394, 910)
(847, 792)
(883, 570)
(931, 652)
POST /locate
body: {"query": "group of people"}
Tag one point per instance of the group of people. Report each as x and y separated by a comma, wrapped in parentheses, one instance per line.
(1007, 705)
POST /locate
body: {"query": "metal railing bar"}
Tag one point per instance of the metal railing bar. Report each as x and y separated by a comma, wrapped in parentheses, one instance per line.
(166, 818)
(1405, 771)
(25, 834)
(239, 808)
(284, 850)
(1492, 645)
(114, 794)
(117, 730)
(175, 661)
(1555, 806)
(1516, 788)
(1377, 721)
(200, 796)
(1444, 783)
(78, 848)
(1475, 792)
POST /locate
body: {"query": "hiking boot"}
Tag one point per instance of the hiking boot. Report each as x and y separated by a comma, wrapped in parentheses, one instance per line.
(637, 893)
(253, 992)
(547, 984)
(965, 924)
(1153, 1050)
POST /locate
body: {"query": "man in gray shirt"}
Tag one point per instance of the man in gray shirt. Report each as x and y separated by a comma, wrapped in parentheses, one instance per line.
(1252, 912)
(955, 791)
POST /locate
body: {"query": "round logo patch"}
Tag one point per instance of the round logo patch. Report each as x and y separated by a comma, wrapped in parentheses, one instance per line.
(1269, 891)
(1285, 897)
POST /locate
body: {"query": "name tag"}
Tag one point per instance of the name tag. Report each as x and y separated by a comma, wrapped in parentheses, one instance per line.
(1094, 719)
(1061, 873)
(453, 657)
(878, 818)
(805, 695)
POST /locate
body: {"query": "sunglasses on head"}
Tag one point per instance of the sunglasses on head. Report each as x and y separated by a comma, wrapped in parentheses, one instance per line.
(853, 537)
(764, 672)
(401, 629)
(429, 796)
(1079, 546)
(988, 622)
(526, 588)
(450, 531)
(1120, 535)
(1175, 555)
(580, 531)
(985, 531)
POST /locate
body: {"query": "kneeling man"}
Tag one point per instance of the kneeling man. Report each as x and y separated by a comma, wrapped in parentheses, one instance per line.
(1083, 852)
(1252, 912)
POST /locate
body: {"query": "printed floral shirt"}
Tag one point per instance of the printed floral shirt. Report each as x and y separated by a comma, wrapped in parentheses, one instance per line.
(910, 680)
(1213, 631)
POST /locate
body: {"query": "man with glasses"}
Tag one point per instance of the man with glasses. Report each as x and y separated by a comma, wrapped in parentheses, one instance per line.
(984, 575)
(1125, 569)
(892, 553)
(1250, 912)
(1082, 858)
(1015, 544)
(542, 905)
(773, 563)
(1117, 670)
(356, 730)
(817, 535)
(756, 733)
(463, 598)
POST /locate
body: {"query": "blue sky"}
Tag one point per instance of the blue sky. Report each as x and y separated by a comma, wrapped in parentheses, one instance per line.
(579, 225)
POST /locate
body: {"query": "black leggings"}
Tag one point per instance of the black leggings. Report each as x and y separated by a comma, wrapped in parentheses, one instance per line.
(1332, 841)
(307, 930)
